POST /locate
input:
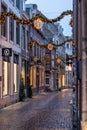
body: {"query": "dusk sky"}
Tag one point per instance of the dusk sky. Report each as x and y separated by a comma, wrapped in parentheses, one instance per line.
(53, 8)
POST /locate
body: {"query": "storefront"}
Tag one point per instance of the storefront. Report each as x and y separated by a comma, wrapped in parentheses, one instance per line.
(37, 77)
(6, 76)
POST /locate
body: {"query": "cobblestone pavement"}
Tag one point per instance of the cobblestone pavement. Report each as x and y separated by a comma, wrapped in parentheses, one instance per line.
(46, 111)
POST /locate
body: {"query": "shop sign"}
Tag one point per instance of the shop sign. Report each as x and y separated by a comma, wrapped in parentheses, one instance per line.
(7, 52)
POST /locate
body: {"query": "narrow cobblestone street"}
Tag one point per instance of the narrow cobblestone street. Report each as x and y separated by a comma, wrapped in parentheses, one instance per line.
(46, 111)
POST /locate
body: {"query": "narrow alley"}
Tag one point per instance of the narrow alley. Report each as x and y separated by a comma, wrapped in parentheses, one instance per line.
(46, 111)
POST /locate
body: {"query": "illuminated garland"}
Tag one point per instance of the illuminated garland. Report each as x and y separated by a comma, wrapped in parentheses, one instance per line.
(61, 59)
(54, 45)
(62, 44)
(30, 21)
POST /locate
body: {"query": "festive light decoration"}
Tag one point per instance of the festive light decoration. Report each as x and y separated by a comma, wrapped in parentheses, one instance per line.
(50, 46)
(59, 60)
(37, 21)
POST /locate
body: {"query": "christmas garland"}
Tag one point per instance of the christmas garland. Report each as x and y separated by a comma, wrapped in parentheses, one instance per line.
(30, 21)
(32, 41)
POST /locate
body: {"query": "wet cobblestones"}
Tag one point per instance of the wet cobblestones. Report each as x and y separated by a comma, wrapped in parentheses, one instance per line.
(47, 111)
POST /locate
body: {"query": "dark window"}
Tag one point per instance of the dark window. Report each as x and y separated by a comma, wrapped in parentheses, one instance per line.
(12, 1)
(23, 38)
(27, 39)
(67, 45)
(47, 80)
(35, 50)
(18, 4)
(11, 29)
(38, 52)
(4, 26)
(17, 33)
(28, 10)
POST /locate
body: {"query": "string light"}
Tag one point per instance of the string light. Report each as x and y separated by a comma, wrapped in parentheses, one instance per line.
(38, 17)
(50, 46)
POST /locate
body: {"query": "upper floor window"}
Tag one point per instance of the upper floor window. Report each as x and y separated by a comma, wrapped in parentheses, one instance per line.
(38, 52)
(28, 10)
(11, 29)
(17, 33)
(18, 4)
(27, 39)
(35, 47)
(67, 45)
(23, 38)
(12, 1)
(4, 26)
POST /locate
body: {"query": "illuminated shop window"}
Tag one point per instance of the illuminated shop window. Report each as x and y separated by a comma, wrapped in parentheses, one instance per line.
(41, 77)
(15, 73)
(63, 80)
(6, 77)
(15, 77)
(59, 83)
(33, 76)
(23, 74)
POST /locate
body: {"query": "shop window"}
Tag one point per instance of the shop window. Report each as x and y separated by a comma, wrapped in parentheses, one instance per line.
(33, 76)
(6, 77)
(47, 80)
(15, 86)
(24, 72)
(63, 80)
(41, 77)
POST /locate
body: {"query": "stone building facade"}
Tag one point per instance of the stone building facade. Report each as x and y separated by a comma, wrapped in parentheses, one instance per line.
(10, 67)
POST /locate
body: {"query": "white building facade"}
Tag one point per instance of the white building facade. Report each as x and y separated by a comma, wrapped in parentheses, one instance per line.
(10, 67)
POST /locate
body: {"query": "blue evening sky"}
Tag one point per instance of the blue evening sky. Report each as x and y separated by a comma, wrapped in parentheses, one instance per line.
(53, 8)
